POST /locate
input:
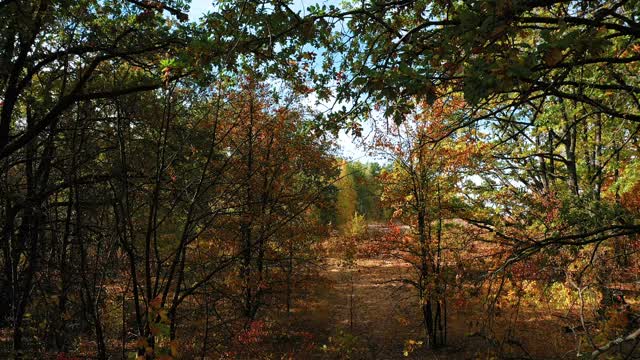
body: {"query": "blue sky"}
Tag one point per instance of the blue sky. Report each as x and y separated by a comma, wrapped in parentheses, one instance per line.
(348, 147)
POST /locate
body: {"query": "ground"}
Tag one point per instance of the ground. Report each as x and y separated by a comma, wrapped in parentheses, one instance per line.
(384, 313)
(386, 322)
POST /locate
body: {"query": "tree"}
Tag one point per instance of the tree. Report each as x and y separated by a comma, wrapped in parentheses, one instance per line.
(347, 199)
(424, 188)
(550, 80)
(60, 57)
(283, 171)
(101, 113)
(501, 55)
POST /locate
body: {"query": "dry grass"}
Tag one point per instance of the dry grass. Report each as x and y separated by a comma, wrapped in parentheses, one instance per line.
(386, 315)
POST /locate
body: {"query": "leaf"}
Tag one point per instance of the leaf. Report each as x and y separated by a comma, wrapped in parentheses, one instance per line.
(163, 316)
(156, 302)
(174, 348)
(553, 56)
(155, 330)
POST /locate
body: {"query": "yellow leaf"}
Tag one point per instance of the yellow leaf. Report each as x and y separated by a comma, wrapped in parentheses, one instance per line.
(163, 316)
(553, 56)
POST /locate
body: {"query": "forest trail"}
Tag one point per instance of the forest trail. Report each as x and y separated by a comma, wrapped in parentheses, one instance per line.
(360, 309)
(386, 317)
(385, 313)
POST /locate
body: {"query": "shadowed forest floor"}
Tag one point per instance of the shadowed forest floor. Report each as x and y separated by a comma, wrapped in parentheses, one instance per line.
(384, 313)
(386, 316)
(360, 311)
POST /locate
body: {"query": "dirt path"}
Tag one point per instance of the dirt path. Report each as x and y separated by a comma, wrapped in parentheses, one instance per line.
(381, 307)
(382, 311)
(386, 315)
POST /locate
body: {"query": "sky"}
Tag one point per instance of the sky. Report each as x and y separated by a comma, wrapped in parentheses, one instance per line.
(348, 146)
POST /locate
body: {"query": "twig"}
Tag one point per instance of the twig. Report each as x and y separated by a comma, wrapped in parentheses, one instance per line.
(601, 350)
